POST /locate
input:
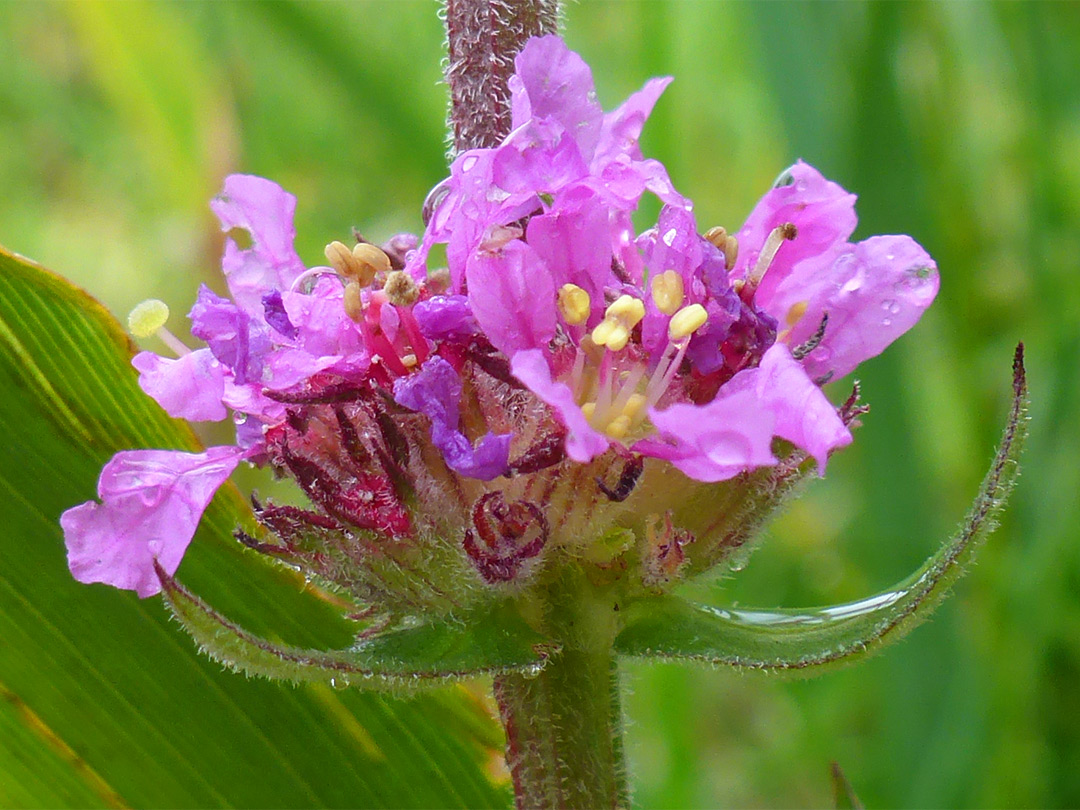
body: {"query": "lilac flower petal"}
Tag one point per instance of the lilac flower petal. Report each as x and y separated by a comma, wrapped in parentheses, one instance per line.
(823, 215)
(715, 441)
(435, 391)
(265, 211)
(190, 387)
(621, 128)
(803, 415)
(445, 317)
(277, 317)
(540, 157)
(512, 296)
(574, 242)
(234, 338)
(873, 292)
(152, 501)
(551, 81)
(583, 442)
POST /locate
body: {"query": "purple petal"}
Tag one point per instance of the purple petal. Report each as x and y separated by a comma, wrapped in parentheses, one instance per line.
(873, 292)
(152, 501)
(190, 387)
(435, 391)
(583, 442)
(234, 338)
(512, 296)
(276, 316)
(445, 317)
(716, 441)
(265, 211)
(551, 81)
(540, 157)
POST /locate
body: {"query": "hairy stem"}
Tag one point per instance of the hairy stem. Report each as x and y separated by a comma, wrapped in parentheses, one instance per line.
(564, 726)
(483, 37)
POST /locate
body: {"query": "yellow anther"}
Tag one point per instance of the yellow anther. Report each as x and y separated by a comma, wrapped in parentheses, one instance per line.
(408, 360)
(618, 427)
(726, 243)
(717, 235)
(633, 406)
(574, 304)
(341, 259)
(353, 301)
(619, 321)
(371, 260)
(400, 289)
(667, 292)
(438, 280)
(687, 321)
(589, 408)
(147, 318)
(796, 312)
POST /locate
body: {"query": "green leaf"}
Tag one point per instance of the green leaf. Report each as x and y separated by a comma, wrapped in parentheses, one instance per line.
(124, 710)
(428, 654)
(843, 794)
(796, 640)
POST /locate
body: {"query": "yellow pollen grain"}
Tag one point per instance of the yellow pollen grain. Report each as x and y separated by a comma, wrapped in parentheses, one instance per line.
(687, 321)
(400, 289)
(667, 292)
(589, 408)
(796, 312)
(147, 317)
(574, 304)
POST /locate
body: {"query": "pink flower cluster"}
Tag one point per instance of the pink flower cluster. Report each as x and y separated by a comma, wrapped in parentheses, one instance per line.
(693, 350)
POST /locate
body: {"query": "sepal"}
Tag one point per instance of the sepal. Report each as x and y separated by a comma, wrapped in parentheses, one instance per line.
(404, 658)
(797, 640)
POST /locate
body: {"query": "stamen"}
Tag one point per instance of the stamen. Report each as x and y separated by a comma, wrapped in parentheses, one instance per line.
(726, 243)
(148, 318)
(780, 234)
(687, 321)
(353, 301)
(574, 304)
(795, 313)
(667, 292)
(619, 321)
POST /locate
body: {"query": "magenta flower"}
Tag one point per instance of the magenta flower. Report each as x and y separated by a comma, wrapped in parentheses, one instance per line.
(464, 413)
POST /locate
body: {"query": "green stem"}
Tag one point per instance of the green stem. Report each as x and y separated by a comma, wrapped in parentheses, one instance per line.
(564, 726)
(564, 733)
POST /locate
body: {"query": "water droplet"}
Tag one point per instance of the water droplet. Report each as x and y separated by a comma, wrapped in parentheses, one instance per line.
(886, 321)
(786, 178)
(669, 237)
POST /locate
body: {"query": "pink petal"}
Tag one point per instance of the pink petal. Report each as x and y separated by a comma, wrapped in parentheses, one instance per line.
(583, 442)
(152, 501)
(512, 296)
(190, 387)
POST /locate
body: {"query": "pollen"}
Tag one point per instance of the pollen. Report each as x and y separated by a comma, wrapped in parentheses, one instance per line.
(361, 264)
(574, 304)
(687, 321)
(148, 317)
(400, 289)
(619, 321)
(667, 292)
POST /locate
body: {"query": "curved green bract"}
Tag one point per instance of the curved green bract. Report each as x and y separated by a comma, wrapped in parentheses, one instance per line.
(108, 701)
(797, 640)
(428, 654)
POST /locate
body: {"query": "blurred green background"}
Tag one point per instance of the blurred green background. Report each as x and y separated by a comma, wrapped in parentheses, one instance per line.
(958, 123)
